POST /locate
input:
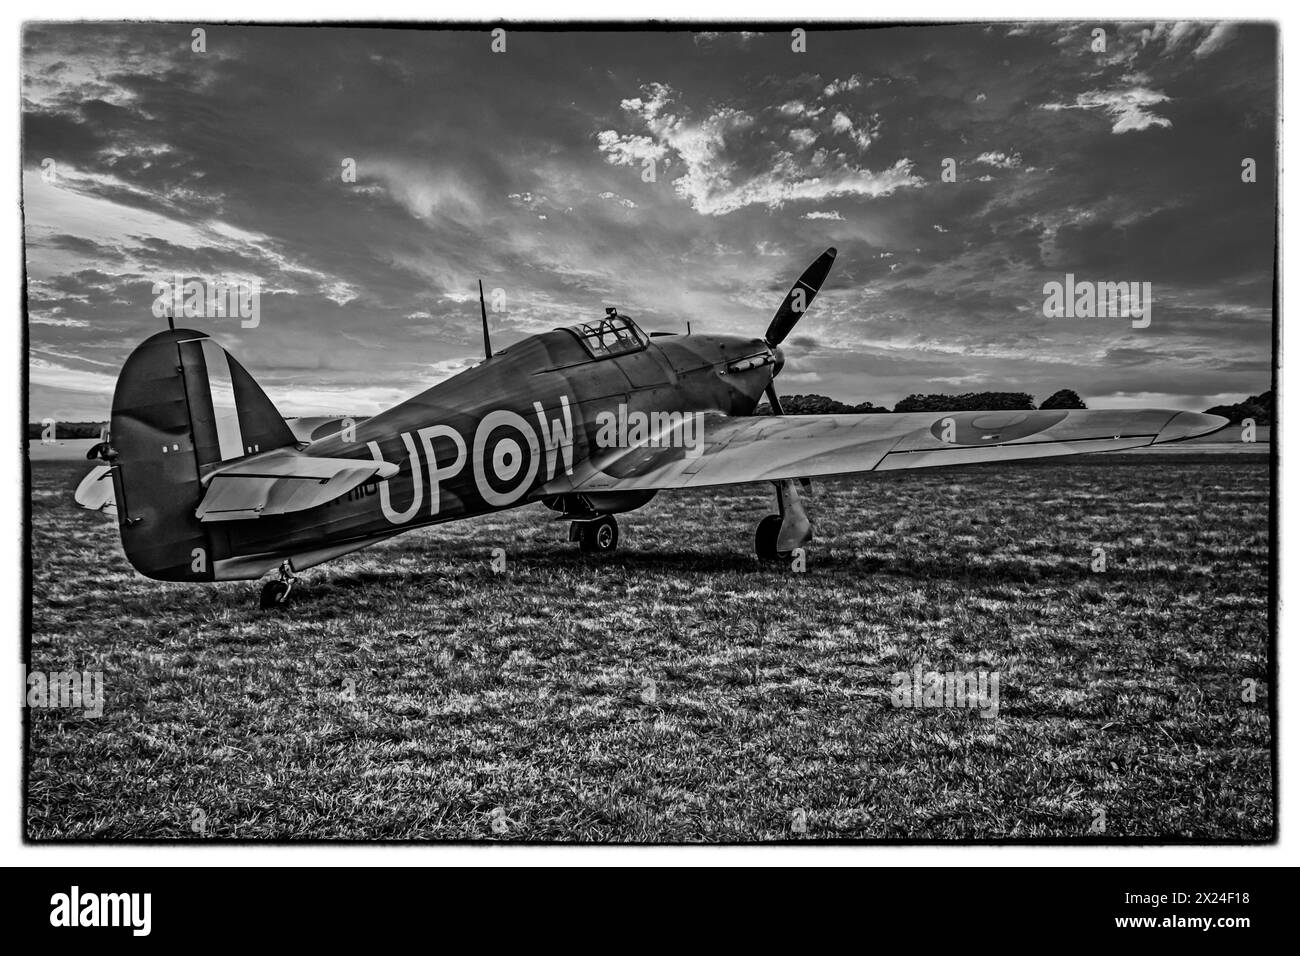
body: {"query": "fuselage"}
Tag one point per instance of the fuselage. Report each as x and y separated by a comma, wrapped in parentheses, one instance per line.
(493, 436)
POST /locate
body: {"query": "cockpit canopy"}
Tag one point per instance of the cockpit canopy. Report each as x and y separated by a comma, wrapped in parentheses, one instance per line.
(613, 335)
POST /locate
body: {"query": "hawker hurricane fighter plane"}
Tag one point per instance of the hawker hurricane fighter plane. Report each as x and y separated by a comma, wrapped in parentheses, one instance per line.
(209, 482)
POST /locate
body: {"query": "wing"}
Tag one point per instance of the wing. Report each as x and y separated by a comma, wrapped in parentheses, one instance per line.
(763, 448)
(283, 481)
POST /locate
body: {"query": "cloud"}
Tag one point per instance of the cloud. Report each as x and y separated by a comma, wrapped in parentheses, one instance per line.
(165, 171)
(52, 318)
(615, 197)
(424, 190)
(446, 369)
(835, 87)
(800, 108)
(730, 163)
(1174, 34)
(100, 213)
(55, 375)
(709, 37)
(1130, 108)
(781, 186)
(841, 123)
(1216, 40)
(802, 137)
(999, 160)
(629, 150)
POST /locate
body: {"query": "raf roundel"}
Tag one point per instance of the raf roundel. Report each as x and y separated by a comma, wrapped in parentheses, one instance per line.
(987, 428)
(500, 432)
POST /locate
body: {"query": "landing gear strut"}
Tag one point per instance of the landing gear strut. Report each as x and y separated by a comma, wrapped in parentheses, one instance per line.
(779, 534)
(275, 593)
(599, 536)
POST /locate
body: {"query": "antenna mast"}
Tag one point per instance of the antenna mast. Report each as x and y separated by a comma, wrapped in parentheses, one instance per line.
(487, 342)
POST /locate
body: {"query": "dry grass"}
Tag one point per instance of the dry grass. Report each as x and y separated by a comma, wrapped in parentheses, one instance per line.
(410, 693)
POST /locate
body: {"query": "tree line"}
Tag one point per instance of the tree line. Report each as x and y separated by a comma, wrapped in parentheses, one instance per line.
(965, 402)
(1258, 407)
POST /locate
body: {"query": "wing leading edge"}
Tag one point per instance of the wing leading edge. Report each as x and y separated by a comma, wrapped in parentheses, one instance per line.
(761, 448)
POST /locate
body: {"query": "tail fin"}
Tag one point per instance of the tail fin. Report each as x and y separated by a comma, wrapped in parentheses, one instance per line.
(183, 407)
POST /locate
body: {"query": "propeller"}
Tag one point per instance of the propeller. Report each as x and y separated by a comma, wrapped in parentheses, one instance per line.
(773, 400)
(795, 526)
(792, 308)
(799, 297)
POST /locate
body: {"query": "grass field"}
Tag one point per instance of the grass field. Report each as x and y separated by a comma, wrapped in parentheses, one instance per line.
(679, 691)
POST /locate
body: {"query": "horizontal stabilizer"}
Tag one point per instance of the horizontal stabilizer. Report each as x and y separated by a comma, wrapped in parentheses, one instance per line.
(283, 481)
(95, 493)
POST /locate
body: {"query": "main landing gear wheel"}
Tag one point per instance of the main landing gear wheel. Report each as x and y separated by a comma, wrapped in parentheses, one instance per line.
(599, 536)
(276, 593)
(769, 529)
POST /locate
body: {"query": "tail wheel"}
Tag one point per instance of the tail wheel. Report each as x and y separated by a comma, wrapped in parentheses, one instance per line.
(769, 529)
(599, 536)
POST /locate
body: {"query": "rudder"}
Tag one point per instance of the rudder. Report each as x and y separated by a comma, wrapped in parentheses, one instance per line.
(183, 407)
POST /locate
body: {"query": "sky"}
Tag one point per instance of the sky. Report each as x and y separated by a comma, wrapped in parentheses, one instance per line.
(527, 168)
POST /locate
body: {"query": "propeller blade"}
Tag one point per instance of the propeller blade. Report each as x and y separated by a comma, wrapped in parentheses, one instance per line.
(799, 298)
(773, 400)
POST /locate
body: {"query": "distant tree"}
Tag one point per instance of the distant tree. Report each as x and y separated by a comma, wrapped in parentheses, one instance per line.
(967, 402)
(1264, 401)
(812, 405)
(64, 430)
(1242, 410)
(1259, 407)
(1065, 398)
(818, 405)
